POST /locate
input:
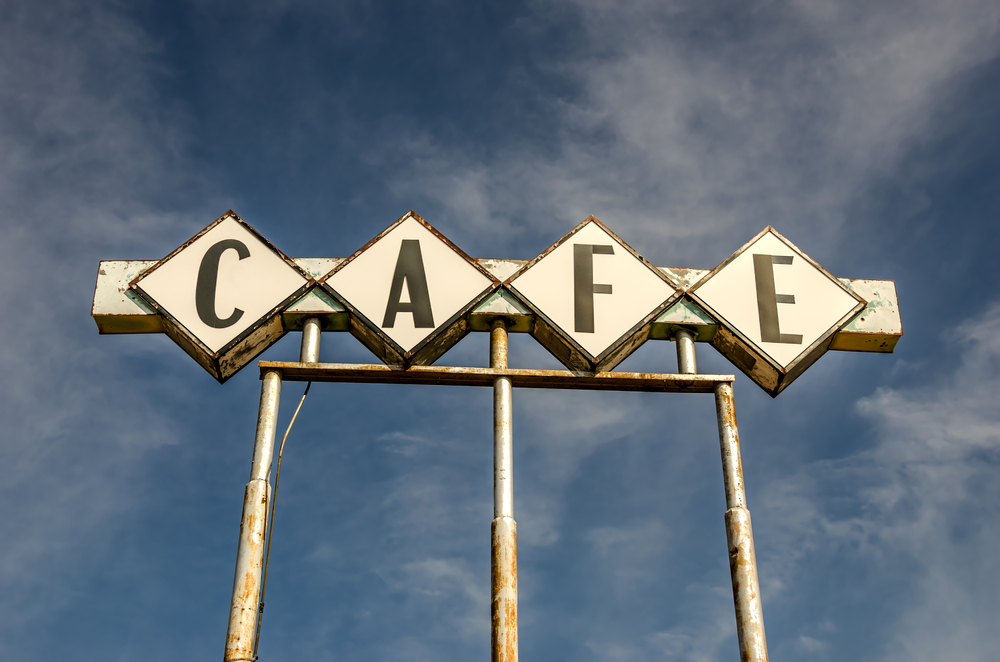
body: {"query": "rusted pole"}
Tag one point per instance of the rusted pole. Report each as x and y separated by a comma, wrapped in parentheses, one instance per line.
(687, 363)
(503, 567)
(310, 341)
(250, 553)
(739, 534)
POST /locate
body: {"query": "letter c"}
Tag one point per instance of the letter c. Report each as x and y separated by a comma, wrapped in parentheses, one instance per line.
(208, 280)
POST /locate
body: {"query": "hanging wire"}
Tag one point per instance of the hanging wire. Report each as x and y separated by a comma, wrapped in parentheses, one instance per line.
(269, 522)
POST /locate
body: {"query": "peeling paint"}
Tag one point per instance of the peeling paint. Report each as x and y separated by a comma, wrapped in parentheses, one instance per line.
(243, 607)
(503, 575)
(739, 535)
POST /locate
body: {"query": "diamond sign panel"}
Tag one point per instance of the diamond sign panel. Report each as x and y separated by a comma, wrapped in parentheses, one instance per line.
(777, 308)
(594, 296)
(408, 291)
(221, 292)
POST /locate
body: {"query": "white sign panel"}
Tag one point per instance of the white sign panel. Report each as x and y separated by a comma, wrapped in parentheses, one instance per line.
(410, 294)
(409, 283)
(222, 283)
(593, 288)
(777, 298)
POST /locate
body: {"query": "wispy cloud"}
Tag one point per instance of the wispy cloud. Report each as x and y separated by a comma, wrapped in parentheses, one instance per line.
(916, 504)
(707, 634)
(85, 144)
(688, 122)
(934, 505)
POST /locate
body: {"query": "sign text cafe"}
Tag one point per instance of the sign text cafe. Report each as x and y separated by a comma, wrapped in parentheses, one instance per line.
(410, 294)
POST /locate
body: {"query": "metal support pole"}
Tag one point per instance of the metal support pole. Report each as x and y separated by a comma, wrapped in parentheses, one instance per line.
(310, 341)
(687, 364)
(250, 554)
(739, 534)
(504, 528)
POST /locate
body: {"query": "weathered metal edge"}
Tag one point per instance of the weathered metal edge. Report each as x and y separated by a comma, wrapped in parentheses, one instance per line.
(265, 320)
(138, 321)
(520, 378)
(135, 282)
(591, 219)
(442, 338)
(135, 285)
(427, 226)
(429, 349)
(808, 352)
(634, 338)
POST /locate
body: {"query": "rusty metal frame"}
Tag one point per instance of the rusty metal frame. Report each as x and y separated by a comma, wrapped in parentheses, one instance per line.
(265, 325)
(735, 346)
(739, 532)
(520, 378)
(561, 344)
(440, 340)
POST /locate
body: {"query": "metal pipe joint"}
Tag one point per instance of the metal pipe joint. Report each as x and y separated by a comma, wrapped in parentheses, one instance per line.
(503, 566)
(739, 534)
(311, 331)
(243, 607)
(687, 363)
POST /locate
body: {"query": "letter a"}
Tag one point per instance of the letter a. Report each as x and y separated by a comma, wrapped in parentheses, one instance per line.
(409, 266)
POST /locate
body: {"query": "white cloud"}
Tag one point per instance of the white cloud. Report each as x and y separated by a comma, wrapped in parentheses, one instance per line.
(707, 633)
(565, 431)
(811, 646)
(691, 122)
(919, 504)
(450, 588)
(84, 144)
(939, 454)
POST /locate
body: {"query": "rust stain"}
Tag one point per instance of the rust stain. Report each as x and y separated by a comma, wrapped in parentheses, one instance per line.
(243, 607)
(746, 591)
(503, 573)
(521, 378)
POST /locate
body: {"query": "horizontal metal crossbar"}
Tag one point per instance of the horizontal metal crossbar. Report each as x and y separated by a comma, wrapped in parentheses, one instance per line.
(448, 376)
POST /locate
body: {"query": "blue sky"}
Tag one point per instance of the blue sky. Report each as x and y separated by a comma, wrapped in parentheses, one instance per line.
(868, 134)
